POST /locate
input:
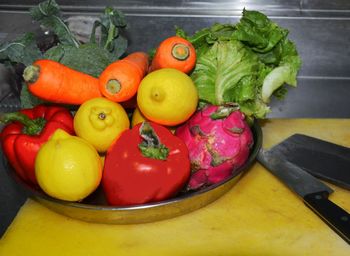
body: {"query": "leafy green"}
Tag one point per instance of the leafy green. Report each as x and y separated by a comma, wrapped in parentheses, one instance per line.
(49, 15)
(94, 61)
(23, 50)
(28, 100)
(111, 23)
(90, 58)
(244, 63)
(219, 71)
(257, 31)
(93, 57)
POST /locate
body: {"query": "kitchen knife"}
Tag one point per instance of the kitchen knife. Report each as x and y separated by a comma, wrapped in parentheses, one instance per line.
(313, 192)
(320, 158)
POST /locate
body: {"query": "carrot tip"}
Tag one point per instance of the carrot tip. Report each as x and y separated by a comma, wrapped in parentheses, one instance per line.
(113, 86)
(31, 73)
(180, 51)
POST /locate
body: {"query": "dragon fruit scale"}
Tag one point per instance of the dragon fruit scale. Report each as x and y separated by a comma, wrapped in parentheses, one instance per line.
(219, 141)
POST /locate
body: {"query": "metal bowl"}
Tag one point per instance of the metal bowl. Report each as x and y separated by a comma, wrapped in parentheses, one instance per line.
(95, 209)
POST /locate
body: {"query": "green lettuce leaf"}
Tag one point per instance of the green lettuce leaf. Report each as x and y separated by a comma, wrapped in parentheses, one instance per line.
(285, 73)
(229, 72)
(258, 31)
(244, 63)
(222, 69)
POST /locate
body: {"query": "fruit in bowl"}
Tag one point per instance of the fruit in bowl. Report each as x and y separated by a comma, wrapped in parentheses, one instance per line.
(146, 164)
(219, 141)
(231, 72)
(68, 167)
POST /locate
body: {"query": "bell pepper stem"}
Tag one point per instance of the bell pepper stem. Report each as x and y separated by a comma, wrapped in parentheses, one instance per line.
(31, 126)
(151, 146)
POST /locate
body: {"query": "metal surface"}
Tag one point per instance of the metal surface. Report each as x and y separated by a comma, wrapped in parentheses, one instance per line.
(320, 158)
(94, 208)
(320, 30)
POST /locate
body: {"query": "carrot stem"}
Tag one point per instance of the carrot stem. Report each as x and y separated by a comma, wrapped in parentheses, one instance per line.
(113, 86)
(180, 52)
(31, 73)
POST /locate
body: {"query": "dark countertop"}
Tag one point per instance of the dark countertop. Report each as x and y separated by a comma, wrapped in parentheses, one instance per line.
(320, 30)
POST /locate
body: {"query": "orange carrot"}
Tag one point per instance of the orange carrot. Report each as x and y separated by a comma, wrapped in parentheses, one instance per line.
(55, 82)
(120, 80)
(174, 52)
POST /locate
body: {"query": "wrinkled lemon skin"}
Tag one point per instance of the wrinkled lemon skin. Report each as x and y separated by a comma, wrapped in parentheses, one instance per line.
(68, 167)
(100, 121)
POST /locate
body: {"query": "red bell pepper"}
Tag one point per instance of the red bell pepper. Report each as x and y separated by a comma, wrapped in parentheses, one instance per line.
(26, 131)
(145, 164)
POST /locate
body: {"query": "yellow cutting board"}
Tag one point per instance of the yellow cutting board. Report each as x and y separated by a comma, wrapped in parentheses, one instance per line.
(258, 216)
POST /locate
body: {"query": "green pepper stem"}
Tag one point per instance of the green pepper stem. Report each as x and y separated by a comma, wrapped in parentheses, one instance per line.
(31, 126)
(31, 74)
(151, 146)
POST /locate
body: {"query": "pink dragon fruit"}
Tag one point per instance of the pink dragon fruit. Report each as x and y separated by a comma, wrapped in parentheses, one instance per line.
(219, 141)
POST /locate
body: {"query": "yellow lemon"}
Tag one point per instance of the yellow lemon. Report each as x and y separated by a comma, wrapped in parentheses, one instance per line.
(100, 121)
(68, 167)
(137, 117)
(167, 96)
(103, 158)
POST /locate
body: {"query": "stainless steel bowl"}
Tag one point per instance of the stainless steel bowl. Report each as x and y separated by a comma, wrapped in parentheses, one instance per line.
(95, 209)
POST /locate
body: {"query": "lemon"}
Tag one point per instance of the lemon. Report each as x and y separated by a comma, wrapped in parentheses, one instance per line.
(68, 167)
(167, 96)
(103, 158)
(137, 117)
(100, 121)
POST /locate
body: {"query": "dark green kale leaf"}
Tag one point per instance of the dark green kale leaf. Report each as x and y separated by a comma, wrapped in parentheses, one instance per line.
(27, 99)
(88, 58)
(48, 14)
(22, 50)
(111, 23)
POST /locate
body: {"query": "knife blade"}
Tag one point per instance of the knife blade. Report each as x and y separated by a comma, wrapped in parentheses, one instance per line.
(322, 159)
(313, 192)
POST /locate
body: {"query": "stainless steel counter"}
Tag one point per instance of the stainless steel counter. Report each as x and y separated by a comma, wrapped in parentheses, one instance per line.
(320, 29)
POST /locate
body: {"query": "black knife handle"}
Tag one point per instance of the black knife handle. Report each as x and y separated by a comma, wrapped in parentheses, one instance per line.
(336, 217)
